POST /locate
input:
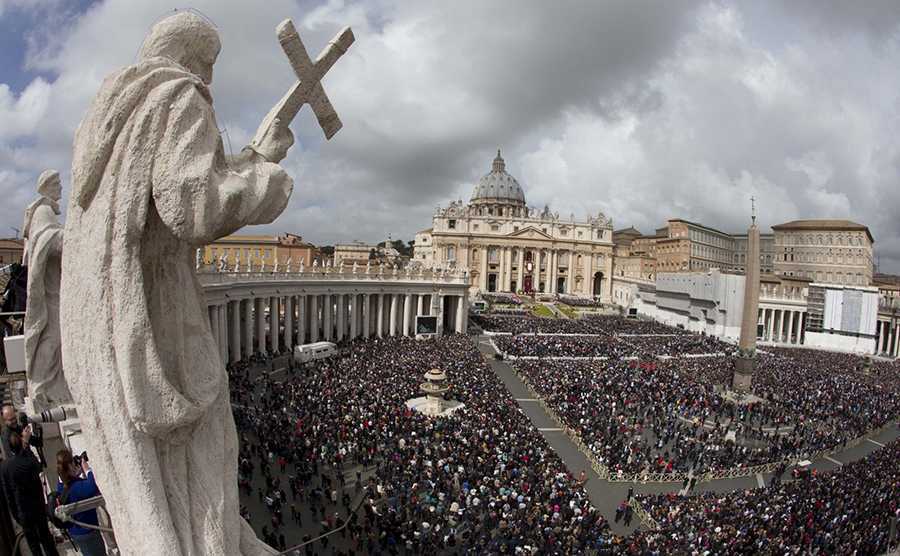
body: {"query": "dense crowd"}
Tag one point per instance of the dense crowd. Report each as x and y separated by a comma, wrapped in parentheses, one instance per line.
(577, 301)
(502, 298)
(590, 324)
(848, 511)
(481, 480)
(562, 346)
(675, 345)
(660, 417)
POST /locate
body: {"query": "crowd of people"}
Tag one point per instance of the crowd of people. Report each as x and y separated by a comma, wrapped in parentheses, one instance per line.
(481, 480)
(562, 346)
(588, 324)
(500, 298)
(676, 345)
(671, 416)
(847, 511)
(578, 301)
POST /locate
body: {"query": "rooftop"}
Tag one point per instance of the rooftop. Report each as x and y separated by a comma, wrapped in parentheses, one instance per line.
(824, 224)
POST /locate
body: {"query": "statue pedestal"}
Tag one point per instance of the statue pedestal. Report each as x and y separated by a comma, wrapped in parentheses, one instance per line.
(743, 373)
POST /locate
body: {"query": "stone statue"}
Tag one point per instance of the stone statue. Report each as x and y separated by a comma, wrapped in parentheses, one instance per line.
(368, 266)
(301, 265)
(43, 256)
(275, 268)
(151, 183)
(288, 264)
(354, 267)
(198, 262)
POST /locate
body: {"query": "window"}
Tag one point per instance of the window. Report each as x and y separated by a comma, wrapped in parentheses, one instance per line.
(515, 228)
(495, 228)
(564, 233)
(475, 226)
(451, 253)
(579, 233)
(451, 224)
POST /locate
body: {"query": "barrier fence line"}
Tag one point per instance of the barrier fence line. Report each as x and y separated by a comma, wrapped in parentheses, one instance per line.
(643, 514)
(679, 476)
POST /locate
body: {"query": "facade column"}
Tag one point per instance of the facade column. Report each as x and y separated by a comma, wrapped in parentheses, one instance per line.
(235, 341)
(551, 275)
(437, 304)
(258, 312)
(419, 299)
(801, 324)
(379, 323)
(484, 268)
(461, 314)
(771, 327)
(313, 318)
(392, 317)
(880, 347)
(247, 344)
(327, 311)
(520, 267)
(588, 278)
(790, 328)
(407, 309)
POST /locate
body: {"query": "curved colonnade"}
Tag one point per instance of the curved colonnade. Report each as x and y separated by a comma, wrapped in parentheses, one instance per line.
(327, 305)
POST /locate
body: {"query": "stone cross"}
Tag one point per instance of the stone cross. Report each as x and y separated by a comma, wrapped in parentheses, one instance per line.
(308, 90)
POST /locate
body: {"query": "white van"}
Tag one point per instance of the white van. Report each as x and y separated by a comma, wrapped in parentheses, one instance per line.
(314, 351)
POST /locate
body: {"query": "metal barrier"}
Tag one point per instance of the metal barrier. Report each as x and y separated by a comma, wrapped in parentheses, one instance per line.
(643, 514)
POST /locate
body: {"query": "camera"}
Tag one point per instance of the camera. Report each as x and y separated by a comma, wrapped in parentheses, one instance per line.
(37, 431)
(80, 458)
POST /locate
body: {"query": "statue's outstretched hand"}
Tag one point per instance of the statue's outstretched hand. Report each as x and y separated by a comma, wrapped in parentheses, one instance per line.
(277, 138)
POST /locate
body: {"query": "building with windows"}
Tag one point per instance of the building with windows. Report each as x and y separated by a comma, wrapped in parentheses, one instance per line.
(509, 247)
(827, 251)
(11, 250)
(259, 250)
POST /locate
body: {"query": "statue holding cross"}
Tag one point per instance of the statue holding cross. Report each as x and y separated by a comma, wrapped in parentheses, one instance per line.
(151, 183)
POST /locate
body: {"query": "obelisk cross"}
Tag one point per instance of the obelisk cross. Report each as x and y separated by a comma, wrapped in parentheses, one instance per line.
(308, 90)
(753, 208)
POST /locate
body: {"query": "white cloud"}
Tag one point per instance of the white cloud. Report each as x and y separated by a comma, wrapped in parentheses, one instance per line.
(644, 110)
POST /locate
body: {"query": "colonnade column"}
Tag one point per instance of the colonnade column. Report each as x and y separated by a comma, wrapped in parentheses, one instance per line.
(327, 310)
(896, 350)
(302, 317)
(258, 312)
(379, 323)
(461, 315)
(771, 327)
(352, 307)
(214, 324)
(392, 317)
(780, 325)
(235, 340)
(790, 328)
(881, 327)
(365, 314)
(341, 309)
(222, 313)
(289, 323)
(407, 309)
(274, 323)
(313, 318)
(421, 298)
(247, 344)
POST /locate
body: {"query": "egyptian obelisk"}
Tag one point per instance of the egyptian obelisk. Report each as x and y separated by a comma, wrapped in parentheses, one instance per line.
(745, 362)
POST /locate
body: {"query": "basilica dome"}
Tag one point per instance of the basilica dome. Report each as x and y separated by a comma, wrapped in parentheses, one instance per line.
(498, 187)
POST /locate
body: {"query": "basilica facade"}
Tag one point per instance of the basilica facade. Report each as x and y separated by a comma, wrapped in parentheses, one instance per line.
(507, 246)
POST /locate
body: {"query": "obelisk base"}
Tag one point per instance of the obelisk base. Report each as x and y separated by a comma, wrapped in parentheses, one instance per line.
(743, 373)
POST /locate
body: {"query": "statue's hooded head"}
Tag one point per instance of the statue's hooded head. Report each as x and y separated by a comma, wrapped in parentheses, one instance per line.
(188, 40)
(49, 186)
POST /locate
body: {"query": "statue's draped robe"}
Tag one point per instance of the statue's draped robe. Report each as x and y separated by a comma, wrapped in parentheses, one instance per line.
(43, 359)
(150, 185)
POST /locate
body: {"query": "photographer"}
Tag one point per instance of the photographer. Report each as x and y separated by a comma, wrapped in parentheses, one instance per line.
(76, 483)
(25, 493)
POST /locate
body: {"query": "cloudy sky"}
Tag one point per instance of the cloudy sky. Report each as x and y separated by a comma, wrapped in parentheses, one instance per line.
(642, 110)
